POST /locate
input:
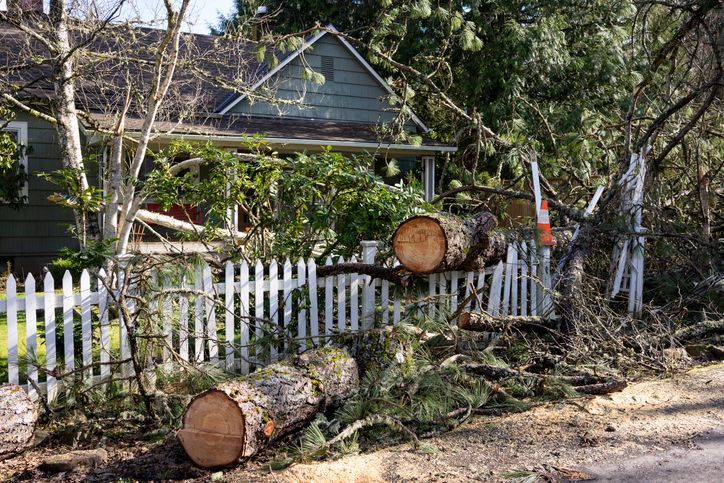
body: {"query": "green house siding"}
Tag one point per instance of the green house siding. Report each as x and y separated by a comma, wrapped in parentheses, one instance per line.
(351, 94)
(33, 234)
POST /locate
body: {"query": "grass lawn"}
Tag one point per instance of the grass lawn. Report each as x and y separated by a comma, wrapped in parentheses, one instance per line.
(40, 356)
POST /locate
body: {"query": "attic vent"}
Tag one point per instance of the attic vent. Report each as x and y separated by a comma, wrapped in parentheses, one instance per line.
(328, 68)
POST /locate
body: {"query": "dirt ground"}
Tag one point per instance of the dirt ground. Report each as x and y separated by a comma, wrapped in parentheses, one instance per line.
(661, 430)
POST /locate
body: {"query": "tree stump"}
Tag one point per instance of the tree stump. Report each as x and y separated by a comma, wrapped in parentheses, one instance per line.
(237, 418)
(18, 416)
(438, 242)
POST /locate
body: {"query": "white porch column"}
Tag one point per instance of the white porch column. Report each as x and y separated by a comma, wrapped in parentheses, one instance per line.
(428, 176)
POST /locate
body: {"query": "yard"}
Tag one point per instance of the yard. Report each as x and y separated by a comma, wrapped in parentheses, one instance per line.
(40, 355)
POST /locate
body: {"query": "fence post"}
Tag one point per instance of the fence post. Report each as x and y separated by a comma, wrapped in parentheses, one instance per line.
(369, 252)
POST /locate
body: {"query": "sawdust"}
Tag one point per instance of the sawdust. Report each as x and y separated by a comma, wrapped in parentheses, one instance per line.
(555, 438)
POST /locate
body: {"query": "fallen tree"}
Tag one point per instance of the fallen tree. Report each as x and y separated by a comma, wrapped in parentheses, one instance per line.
(437, 242)
(18, 416)
(237, 418)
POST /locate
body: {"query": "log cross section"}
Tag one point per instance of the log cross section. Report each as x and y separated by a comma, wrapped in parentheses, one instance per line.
(437, 242)
(237, 418)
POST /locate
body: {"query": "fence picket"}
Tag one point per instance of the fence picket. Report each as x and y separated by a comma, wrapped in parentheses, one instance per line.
(431, 283)
(507, 281)
(244, 318)
(49, 319)
(183, 321)
(341, 299)
(369, 253)
(546, 301)
(523, 279)
(533, 278)
(287, 291)
(273, 308)
(86, 326)
(166, 315)
(385, 302)
(514, 281)
(68, 349)
(258, 308)
(123, 284)
(105, 337)
(495, 288)
(354, 283)
(199, 315)
(454, 290)
(31, 338)
(12, 320)
(301, 310)
(328, 300)
(442, 300)
(229, 315)
(313, 302)
(479, 288)
(211, 330)
(468, 284)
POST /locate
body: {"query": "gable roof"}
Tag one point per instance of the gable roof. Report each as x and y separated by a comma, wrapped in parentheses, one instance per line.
(101, 93)
(329, 30)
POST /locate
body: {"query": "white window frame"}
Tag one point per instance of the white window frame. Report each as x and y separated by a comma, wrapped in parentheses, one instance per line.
(21, 128)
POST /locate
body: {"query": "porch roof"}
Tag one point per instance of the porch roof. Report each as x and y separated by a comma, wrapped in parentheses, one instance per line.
(284, 133)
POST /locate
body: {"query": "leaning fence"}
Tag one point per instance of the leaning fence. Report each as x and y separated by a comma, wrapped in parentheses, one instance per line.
(239, 318)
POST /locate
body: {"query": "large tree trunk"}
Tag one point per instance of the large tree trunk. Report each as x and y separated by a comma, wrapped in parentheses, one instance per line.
(18, 417)
(237, 418)
(438, 242)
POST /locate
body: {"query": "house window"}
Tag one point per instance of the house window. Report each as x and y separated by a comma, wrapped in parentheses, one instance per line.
(328, 67)
(18, 132)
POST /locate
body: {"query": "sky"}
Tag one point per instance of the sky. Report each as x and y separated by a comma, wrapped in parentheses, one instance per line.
(202, 14)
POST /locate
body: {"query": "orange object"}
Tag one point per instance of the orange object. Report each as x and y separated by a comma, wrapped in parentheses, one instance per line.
(545, 237)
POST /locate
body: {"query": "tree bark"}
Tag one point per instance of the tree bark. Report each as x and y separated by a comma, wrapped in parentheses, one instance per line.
(18, 416)
(484, 322)
(236, 419)
(437, 242)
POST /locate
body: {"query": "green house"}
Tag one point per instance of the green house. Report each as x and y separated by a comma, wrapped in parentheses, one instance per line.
(348, 112)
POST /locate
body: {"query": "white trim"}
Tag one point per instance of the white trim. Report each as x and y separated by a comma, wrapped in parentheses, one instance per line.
(353, 51)
(21, 127)
(311, 142)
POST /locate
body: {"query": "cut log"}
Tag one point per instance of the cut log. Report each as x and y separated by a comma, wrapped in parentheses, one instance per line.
(701, 329)
(484, 322)
(18, 415)
(438, 242)
(237, 418)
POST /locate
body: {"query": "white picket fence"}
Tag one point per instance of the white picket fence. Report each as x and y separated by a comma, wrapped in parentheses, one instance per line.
(229, 324)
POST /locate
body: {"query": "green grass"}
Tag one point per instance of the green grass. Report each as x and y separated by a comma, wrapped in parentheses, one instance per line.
(40, 355)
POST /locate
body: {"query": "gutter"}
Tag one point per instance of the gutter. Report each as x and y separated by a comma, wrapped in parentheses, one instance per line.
(310, 142)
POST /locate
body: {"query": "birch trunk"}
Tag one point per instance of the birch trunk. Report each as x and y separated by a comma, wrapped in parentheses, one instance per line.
(68, 126)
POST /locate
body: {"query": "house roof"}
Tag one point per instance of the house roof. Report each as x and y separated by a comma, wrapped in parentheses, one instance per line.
(198, 104)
